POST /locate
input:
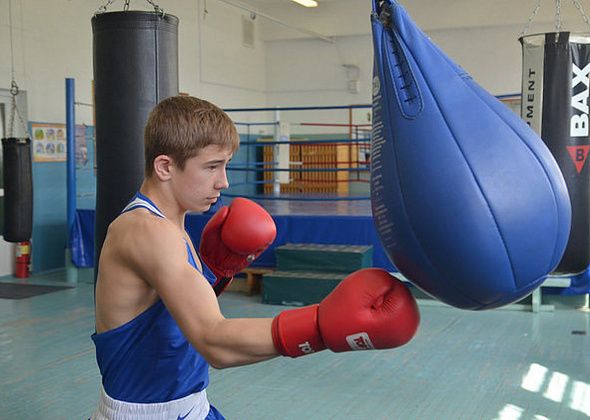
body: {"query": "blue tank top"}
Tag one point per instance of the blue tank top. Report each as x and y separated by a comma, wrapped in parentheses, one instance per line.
(148, 359)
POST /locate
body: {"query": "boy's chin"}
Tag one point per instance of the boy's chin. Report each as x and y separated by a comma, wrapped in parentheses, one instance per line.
(203, 209)
(199, 208)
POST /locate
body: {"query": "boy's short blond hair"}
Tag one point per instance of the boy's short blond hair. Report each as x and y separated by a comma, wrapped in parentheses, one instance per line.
(180, 126)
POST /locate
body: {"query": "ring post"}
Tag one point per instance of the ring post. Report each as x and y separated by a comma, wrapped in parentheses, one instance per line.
(280, 154)
(276, 180)
(71, 270)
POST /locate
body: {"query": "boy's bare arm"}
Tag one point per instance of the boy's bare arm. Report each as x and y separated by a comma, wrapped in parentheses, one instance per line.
(193, 304)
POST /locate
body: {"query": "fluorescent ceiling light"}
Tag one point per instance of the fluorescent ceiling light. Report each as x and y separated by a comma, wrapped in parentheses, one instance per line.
(307, 3)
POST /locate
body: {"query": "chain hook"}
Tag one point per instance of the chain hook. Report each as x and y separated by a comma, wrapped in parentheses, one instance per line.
(13, 88)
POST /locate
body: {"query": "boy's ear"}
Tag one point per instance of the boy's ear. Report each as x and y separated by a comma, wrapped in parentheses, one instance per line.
(162, 167)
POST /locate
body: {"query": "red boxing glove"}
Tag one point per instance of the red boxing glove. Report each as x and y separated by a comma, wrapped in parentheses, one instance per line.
(369, 309)
(235, 236)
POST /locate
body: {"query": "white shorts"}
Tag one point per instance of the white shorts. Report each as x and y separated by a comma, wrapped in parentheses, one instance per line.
(191, 407)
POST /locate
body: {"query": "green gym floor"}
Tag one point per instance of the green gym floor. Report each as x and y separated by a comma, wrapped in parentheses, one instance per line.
(500, 364)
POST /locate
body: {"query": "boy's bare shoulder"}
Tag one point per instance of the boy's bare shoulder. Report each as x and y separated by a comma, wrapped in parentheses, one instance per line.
(139, 229)
(150, 246)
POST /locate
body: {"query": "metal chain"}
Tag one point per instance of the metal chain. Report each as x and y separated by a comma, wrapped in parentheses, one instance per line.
(13, 86)
(104, 7)
(157, 8)
(11, 39)
(12, 109)
(530, 21)
(557, 15)
(581, 10)
(15, 111)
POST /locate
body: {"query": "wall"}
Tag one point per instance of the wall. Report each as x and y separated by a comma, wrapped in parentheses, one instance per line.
(53, 41)
(50, 202)
(490, 54)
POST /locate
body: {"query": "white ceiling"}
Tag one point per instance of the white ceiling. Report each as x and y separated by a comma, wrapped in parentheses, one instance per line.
(351, 17)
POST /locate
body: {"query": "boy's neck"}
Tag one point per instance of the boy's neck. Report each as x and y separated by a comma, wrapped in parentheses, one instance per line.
(164, 200)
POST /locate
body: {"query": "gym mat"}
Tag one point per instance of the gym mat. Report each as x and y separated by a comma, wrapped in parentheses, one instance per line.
(24, 291)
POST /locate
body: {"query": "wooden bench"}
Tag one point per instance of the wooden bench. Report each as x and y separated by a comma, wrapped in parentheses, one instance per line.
(252, 282)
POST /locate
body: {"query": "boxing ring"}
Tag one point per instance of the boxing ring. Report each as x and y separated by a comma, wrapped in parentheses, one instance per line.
(311, 176)
(348, 223)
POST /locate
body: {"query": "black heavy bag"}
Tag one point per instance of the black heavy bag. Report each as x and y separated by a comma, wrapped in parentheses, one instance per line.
(18, 189)
(135, 67)
(555, 104)
(469, 203)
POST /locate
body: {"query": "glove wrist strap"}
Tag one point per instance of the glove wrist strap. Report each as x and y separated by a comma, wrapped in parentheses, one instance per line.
(295, 332)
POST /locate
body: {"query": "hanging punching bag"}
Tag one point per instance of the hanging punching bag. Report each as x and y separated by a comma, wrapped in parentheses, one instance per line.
(135, 67)
(467, 200)
(555, 104)
(18, 189)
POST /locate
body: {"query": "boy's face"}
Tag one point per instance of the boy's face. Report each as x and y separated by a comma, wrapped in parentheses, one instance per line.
(200, 183)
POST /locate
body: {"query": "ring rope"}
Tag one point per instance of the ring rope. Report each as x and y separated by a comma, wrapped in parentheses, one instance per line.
(336, 142)
(297, 169)
(301, 198)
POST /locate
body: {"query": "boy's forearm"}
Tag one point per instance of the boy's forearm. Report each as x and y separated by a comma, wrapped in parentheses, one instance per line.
(240, 341)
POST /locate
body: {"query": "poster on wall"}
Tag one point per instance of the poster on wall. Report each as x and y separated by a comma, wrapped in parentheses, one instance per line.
(49, 143)
(81, 147)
